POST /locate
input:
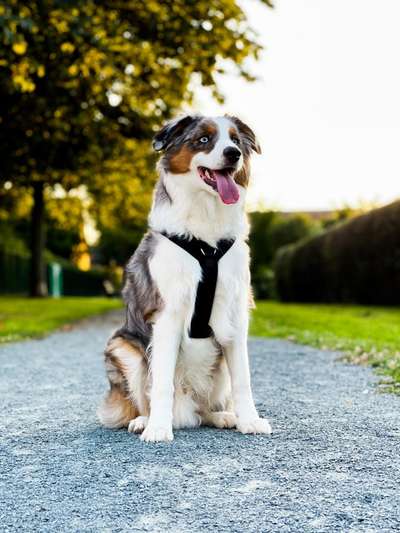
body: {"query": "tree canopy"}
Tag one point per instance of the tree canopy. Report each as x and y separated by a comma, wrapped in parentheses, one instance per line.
(84, 82)
(76, 75)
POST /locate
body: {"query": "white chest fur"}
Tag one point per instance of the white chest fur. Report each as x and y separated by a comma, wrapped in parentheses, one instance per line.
(177, 274)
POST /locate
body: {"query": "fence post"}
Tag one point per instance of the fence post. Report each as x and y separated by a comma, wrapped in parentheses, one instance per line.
(55, 280)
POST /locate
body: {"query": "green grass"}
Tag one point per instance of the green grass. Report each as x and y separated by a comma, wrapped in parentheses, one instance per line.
(22, 318)
(366, 335)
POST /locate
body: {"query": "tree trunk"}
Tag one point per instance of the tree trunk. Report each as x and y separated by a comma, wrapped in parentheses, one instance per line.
(38, 286)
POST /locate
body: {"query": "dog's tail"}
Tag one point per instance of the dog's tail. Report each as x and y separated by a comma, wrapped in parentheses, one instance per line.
(126, 372)
(116, 410)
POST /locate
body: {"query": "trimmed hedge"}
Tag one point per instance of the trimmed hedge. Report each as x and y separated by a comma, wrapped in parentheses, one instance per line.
(78, 283)
(15, 273)
(356, 262)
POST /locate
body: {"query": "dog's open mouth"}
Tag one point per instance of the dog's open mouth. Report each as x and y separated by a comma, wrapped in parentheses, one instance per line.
(221, 180)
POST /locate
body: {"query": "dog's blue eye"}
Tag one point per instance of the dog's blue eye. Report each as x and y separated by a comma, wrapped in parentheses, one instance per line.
(235, 140)
(204, 139)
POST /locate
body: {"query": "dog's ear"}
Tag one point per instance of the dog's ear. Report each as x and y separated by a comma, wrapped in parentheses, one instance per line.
(171, 131)
(247, 134)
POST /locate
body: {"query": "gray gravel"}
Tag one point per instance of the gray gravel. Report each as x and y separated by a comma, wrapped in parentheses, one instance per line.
(331, 465)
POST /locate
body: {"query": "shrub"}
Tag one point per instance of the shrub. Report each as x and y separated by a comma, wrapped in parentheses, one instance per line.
(15, 273)
(75, 282)
(270, 231)
(358, 261)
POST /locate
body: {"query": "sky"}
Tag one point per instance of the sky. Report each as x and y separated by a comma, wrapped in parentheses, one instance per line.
(326, 106)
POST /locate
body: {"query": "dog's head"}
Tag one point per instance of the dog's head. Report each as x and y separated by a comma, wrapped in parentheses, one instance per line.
(210, 154)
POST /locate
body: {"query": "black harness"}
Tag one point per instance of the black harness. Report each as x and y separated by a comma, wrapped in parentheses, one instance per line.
(208, 258)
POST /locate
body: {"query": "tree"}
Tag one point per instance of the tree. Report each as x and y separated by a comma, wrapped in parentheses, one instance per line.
(122, 194)
(79, 77)
(64, 222)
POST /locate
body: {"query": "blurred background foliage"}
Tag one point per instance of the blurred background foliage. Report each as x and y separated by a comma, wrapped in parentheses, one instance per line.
(83, 86)
(272, 230)
(357, 260)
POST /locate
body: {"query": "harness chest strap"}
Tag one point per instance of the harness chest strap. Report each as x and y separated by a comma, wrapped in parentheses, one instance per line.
(208, 258)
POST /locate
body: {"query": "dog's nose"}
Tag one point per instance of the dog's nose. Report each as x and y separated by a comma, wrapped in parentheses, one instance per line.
(232, 154)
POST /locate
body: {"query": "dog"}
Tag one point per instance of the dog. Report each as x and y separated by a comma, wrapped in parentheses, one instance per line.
(181, 360)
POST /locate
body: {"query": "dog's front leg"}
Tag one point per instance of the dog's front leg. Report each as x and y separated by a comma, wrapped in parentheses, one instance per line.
(237, 358)
(165, 345)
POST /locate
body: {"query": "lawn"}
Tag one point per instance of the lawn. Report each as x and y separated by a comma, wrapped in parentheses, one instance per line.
(366, 335)
(21, 318)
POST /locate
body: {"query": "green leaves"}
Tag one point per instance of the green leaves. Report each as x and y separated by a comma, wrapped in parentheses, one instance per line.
(79, 78)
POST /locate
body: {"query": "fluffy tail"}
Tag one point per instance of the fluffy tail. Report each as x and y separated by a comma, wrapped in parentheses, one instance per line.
(116, 410)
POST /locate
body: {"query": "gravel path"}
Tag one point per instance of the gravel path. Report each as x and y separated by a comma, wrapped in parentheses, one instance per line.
(331, 465)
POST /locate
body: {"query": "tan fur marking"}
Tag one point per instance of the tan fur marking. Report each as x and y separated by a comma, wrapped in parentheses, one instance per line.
(242, 177)
(209, 128)
(233, 132)
(179, 163)
(114, 371)
(115, 347)
(149, 315)
(118, 343)
(115, 362)
(119, 347)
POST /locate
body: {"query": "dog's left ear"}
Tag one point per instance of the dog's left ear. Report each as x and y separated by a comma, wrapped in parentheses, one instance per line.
(171, 131)
(247, 134)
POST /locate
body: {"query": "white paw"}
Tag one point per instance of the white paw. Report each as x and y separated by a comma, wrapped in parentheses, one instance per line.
(154, 433)
(138, 424)
(257, 425)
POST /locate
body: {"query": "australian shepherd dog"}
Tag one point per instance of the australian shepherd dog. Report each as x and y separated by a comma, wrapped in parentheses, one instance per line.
(162, 375)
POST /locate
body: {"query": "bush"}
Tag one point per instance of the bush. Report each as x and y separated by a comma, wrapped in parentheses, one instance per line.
(358, 261)
(15, 274)
(10, 242)
(263, 283)
(75, 282)
(118, 244)
(270, 231)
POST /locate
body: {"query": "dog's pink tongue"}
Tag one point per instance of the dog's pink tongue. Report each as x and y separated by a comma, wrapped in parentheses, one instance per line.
(227, 189)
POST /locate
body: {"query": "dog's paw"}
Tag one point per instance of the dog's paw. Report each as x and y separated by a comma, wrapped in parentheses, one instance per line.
(154, 433)
(221, 419)
(138, 424)
(257, 425)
